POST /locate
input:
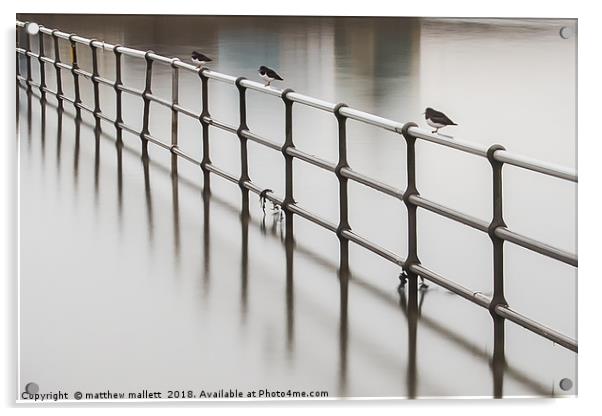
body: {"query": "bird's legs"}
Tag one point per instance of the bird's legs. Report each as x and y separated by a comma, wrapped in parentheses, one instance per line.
(268, 84)
(436, 130)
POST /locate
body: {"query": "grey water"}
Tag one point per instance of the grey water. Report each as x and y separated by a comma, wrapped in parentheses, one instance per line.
(132, 278)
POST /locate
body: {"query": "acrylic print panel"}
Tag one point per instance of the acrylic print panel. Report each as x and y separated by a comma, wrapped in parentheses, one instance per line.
(232, 240)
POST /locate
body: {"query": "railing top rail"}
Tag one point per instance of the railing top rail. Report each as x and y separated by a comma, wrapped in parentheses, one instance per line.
(391, 125)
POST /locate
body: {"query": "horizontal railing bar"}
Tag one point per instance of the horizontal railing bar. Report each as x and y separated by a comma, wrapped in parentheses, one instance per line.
(66, 98)
(229, 79)
(219, 172)
(158, 100)
(156, 141)
(452, 214)
(257, 86)
(24, 80)
(186, 111)
(127, 128)
(302, 212)
(185, 156)
(475, 297)
(48, 90)
(134, 53)
(220, 125)
(47, 60)
(80, 39)
(258, 190)
(536, 327)
(105, 81)
(311, 101)
(311, 159)
(130, 90)
(383, 252)
(184, 65)
(368, 118)
(472, 148)
(261, 140)
(105, 118)
(83, 73)
(58, 33)
(539, 247)
(372, 183)
(161, 59)
(64, 66)
(535, 165)
(293, 207)
(84, 107)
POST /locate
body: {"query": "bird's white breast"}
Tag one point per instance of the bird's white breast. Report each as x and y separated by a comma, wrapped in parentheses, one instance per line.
(433, 124)
(265, 76)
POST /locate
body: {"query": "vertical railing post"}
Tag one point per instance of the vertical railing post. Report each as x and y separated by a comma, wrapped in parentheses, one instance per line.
(289, 242)
(175, 93)
(118, 92)
(242, 127)
(42, 65)
(95, 83)
(205, 124)
(343, 185)
(288, 159)
(412, 258)
(74, 69)
(498, 361)
(497, 221)
(344, 271)
(57, 61)
(148, 79)
(18, 74)
(18, 55)
(28, 57)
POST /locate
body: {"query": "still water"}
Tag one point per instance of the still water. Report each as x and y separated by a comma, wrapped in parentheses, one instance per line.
(132, 278)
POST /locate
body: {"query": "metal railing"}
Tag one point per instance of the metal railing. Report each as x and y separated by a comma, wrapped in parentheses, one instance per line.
(495, 154)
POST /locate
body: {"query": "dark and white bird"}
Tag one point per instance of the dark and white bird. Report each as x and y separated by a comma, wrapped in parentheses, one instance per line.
(199, 59)
(269, 75)
(437, 119)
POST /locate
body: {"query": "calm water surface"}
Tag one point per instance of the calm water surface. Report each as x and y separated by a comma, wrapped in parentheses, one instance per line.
(133, 278)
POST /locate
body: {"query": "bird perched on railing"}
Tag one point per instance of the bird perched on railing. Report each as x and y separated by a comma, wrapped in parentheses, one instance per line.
(199, 59)
(269, 75)
(437, 119)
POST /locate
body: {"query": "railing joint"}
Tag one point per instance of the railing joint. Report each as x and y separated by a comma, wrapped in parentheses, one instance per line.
(490, 154)
(404, 130)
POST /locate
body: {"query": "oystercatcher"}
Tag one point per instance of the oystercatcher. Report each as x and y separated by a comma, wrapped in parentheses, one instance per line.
(269, 75)
(437, 119)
